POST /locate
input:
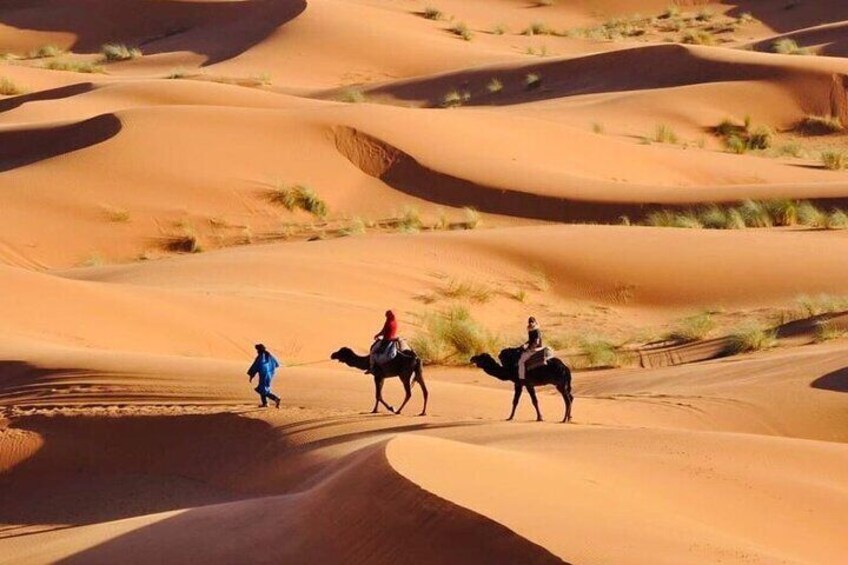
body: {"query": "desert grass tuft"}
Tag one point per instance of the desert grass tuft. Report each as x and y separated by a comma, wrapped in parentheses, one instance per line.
(827, 331)
(45, 52)
(532, 81)
(494, 86)
(695, 327)
(750, 337)
(789, 47)
(819, 304)
(467, 290)
(599, 352)
(461, 29)
(72, 66)
(664, 134)
(9, 88)
(352, 96)
(113, 52)
(820, 125)
(451, 336)
(834, 160)
(472, 219)
(299, 197)
(410, 221)
(433, 13)
(837, 220)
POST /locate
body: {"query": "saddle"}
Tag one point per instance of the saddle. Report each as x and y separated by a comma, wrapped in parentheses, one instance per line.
(539, 358)
(383, 352)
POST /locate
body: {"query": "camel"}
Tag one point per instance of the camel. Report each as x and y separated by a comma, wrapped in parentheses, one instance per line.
(555, 372)
(406, 366)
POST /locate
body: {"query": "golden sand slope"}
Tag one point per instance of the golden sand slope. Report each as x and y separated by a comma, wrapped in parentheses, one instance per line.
(128, 429)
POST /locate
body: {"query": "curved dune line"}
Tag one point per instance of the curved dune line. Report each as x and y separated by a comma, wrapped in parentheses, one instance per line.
(377, 516)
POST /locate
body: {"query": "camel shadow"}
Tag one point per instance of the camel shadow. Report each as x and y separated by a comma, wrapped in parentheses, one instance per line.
(836, 381)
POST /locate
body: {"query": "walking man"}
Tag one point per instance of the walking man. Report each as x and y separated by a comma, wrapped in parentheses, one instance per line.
(265, 365)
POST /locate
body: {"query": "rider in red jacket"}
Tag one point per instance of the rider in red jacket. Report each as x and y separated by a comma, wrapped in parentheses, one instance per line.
(390, 328)
(388, 334)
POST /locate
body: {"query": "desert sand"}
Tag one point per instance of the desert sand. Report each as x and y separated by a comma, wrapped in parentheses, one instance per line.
(145, 247)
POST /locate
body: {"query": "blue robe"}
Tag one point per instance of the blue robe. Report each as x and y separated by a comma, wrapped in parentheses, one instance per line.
(265, 365)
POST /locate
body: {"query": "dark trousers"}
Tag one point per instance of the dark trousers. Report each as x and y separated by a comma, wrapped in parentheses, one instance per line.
(264, 396)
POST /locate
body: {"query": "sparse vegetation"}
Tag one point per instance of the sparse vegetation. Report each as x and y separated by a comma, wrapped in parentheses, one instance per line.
(461, 29)
(532, 81)
(599, 352)
(827, 331)
(298, 197)
(597, 127)
(472, 218)
(177, 73)
(454, 99)
(743, 138)
(821, 304)
(499, 29)
(788, 46)
(751, 214)
(352, 96)
(664, 134)
(837, 220)
(45, 52)
(536, 28)
(410, 221)
(433, 13)
(834, 160)
(73, 66)
(494, 86)
(467, 290)
(698, 37)
(113, 52)
(697, 326)
(451, 336)
(355, 227)
(117, 215)
(9, 88)
(750, 337)
(186, 241)
(821, 125)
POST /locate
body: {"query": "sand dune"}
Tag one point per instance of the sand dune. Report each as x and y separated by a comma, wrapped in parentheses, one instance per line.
(144, 249)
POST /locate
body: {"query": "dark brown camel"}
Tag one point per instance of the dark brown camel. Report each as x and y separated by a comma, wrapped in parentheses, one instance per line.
(555, 373)
(406, 366)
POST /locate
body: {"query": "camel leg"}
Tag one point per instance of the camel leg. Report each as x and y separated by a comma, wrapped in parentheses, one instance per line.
(378, 386)
(518, 390)
(420, 379)
(566, 398)
(531, 390)
(407, 389)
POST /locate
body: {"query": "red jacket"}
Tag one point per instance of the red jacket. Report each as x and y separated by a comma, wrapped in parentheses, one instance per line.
(389, 331)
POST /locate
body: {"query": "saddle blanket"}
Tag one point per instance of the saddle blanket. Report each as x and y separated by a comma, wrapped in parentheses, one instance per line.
(539, 358)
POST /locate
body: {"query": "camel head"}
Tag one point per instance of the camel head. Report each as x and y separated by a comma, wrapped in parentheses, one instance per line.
(482, 360)
(342, 354)
(349, 357)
